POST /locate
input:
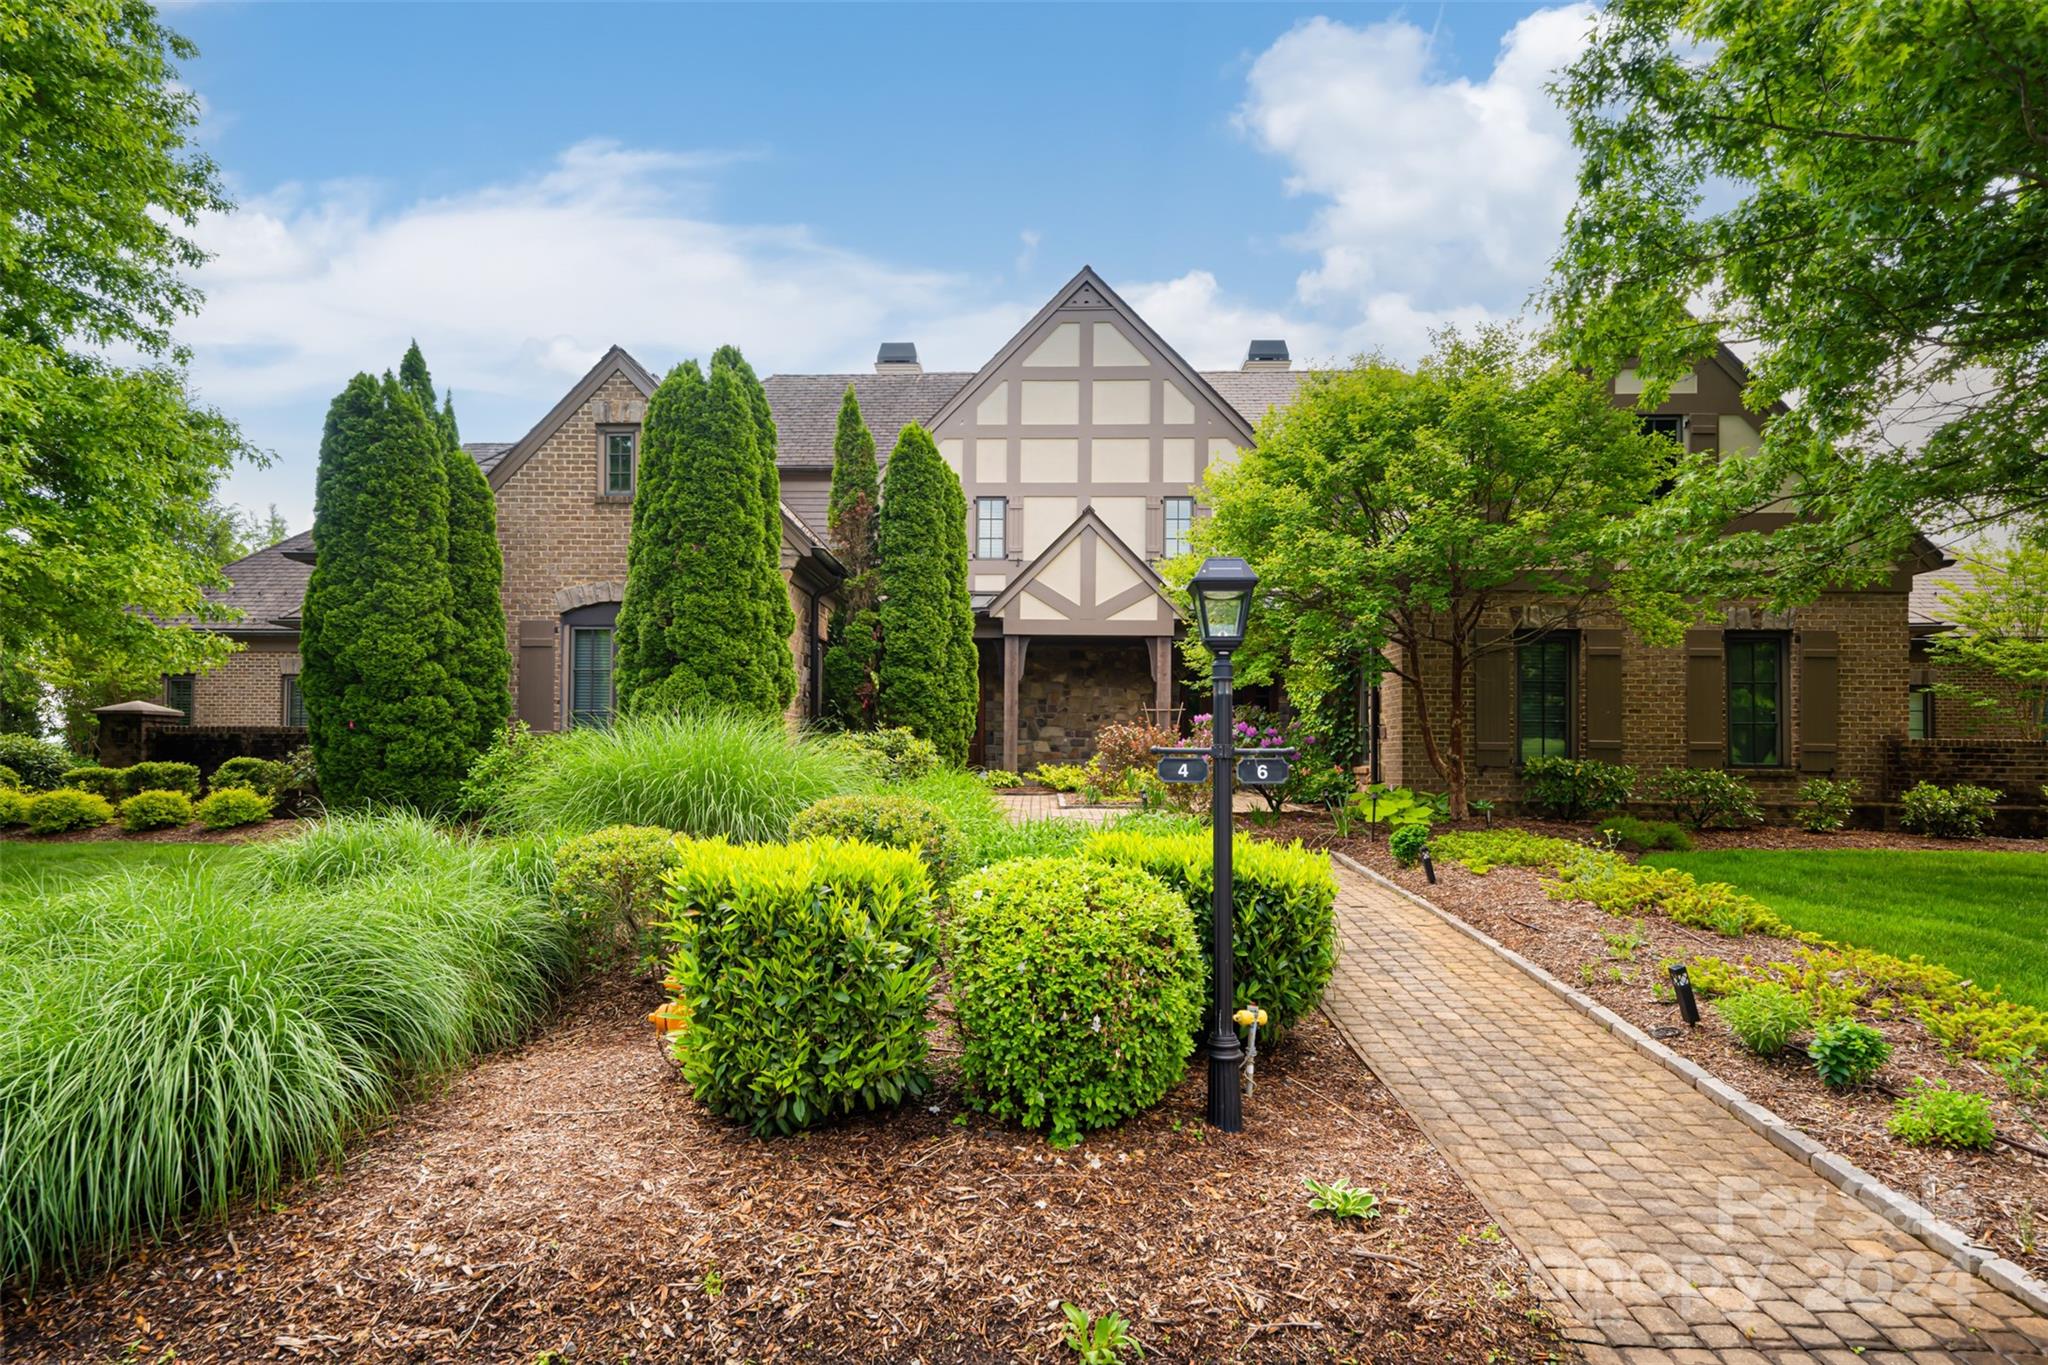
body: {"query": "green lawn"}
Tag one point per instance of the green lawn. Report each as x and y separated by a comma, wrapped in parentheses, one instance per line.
(25, 868)
(1984, 915)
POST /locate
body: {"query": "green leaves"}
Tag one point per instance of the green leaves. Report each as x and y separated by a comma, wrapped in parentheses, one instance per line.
(928, 675)
(1341, 1199)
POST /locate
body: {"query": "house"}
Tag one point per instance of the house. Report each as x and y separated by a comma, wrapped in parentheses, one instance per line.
(1077, 444)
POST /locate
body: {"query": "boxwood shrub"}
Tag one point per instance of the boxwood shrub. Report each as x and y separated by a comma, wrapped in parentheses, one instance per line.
(231, 806)
(265, 775)
(111, 783)
(893, 822)
(68, 809)
(609, 887)
(893, 755)
(1285, 934)
(803, 973)
(155, 810)
(10, 780)
(1077, 991)
(13, 806)
(167, 777)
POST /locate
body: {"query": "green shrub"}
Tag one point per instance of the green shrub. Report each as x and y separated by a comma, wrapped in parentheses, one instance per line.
(54, 812)
(265, 775)
(804, 973)
(1825, 804)
(179, 1040)
(1061, 777)
(1706, 798)
(997, 778)
(1481, 851)
(609, 887)
(704, 774)
(1284, 928)
(1644, 836)
(1847, 1053)
(1574, 788)
(1937, 1116)
(165, 777)
(155, 810)
(40, 763)
(894, 755)
(487, 786)
(227, 807)
(10, 780)
(111, 783)
(1958, 812)
(1407, 843)
(1077, 991)
(892, 822)
(1764, 1017)
(13, 806)
(1391, 806)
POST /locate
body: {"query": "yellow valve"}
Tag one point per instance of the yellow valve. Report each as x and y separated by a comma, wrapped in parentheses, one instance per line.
(1249, 1016)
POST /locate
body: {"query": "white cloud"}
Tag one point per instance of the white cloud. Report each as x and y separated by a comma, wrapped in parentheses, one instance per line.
(1027, 249)
(1441, 196)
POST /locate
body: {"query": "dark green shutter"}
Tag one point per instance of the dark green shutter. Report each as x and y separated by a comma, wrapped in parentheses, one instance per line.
(1820, 700)
(1706, 735)
(1493, 697)
(1603, 695)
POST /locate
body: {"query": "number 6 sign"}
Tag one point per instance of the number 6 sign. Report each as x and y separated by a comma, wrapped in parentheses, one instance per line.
(1261, 772)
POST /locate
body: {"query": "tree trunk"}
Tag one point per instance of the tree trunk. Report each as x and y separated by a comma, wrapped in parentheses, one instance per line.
(1454, 770)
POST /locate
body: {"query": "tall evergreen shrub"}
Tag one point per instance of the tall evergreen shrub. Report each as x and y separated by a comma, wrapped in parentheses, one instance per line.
(927, 617)
(853, 649)
(774, 589)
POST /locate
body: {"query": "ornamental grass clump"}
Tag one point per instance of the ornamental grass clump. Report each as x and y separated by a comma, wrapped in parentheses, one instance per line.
(803, 977)
(708, 774)
(1077, 990)
(892, 822)
(1764, 1017)
(1284, 935)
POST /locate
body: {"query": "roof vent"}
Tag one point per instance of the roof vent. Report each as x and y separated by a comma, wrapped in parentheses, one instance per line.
(1267, 355)
(897, 357)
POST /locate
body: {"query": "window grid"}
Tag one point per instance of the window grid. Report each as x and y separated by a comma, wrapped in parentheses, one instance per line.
(618, 462)
(1673, 427)
(1755, 681)
(294, 701)
(1920, 713)
(1543, 698)
(991, 516)
(178, 695)
(590, 676)
(1180, 519)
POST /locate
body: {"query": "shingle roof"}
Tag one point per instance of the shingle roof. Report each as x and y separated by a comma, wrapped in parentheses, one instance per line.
(1924, 607)
(1251, 392)
(487, 453)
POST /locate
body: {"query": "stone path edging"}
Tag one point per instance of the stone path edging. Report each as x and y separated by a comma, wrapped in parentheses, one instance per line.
(1907, 1215)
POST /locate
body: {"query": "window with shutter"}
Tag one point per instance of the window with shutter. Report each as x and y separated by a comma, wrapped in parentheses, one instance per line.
(294, 701)
(1756, 714)
(590, 676)
(1543, 685)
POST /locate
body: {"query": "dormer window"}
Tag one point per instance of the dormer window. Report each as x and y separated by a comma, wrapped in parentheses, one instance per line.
(620, 449)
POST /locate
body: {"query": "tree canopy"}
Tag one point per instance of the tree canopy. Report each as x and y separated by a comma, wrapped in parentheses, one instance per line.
(1858, 190)
(1994, 659)
(853, 653)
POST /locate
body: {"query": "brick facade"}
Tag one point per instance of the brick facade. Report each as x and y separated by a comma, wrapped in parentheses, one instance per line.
(2016, 768)
(248, 686)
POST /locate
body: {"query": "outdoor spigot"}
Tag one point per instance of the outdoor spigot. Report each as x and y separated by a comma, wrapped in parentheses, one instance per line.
(1250, 1017)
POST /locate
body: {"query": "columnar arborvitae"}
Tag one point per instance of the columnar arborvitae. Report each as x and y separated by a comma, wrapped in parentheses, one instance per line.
(774, 588)
(692, 632)
(854, 650)
(927, 616)
(388, 718)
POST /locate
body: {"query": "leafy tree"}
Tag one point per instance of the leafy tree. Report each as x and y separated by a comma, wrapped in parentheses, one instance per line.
(1998, 648)
(388, 718)
(926, 612)
(1387, 513)
(774, 589)
(1860, 188)
(691, 630)
(854, 647)
(107, 471)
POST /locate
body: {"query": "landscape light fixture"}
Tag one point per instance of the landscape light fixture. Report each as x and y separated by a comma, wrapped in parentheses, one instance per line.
(1222, 590)
(1688, 1004)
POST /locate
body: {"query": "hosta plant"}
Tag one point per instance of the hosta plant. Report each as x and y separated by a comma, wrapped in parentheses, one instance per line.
(1341, 1199)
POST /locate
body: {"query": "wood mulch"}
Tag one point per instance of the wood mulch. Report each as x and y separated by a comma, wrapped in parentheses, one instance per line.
(177, 834)
(2000, 1197)
(572, 1197)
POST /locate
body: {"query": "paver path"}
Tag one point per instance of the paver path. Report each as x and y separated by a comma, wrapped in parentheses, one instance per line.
(1672, 1232)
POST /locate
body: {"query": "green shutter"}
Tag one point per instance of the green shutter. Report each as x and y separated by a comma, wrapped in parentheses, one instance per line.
(591, 676)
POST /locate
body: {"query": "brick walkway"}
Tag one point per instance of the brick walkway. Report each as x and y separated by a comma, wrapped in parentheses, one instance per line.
(1670, 1231)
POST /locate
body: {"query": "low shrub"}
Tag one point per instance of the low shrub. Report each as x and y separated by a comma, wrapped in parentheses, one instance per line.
(1764, 1017)
(1933, 1115)
(226, 807)
(1284, 897)
(155, 810)
(1481, 851)
(55, 812)
(1575, 788)
(1061, 777)
(166, 777)
(894, 755)
(892, 822)
(1847, 1053)
(1825, 804)
(1706, 798)
(1407, 843)
(265, 775)
(1127, 747)
(39, 763)
(1077, 991)
(610, 890)
(1623, 888)
(803, 978)
(1646, 836)
(487, 786)
(1958, 812)
(13, 806)
(111, 783)
(10, 780)
(995, 779)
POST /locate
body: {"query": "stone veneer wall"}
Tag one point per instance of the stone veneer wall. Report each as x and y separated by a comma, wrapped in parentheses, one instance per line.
(248, 686)
(1070, 690)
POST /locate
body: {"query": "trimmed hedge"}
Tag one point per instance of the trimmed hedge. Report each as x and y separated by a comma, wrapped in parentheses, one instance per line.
(1284, 938)
(609, 886)
(111, 783)
(893, 822)
(155, 810)
(803, 976)
(164, 777)
(13, 806)
(231, 806)
(263, 775)
(68, 809)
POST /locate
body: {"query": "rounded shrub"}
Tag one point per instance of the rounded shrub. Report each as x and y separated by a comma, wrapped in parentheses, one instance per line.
(1847, 1053)
(155, 810)
(803, 976)
(893, 755)
(166, 777)
(111, 783)
(609, 887)
(40, 763)
(1407, 842)
(13, 806)
(10, 780)
(893, 822)
(265, 775)
(1765, 1016)
(231, 806)
(1958, 812)
(1284, 935)
(1574, 788)
(1076, 990)
(1936, 1115)
(68, 809)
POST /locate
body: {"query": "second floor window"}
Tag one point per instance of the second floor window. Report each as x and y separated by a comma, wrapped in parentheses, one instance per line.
(1674, 427)
(1543, 698)
(1756, 680)
(990, 516)
(1180, 517)
(618, 463)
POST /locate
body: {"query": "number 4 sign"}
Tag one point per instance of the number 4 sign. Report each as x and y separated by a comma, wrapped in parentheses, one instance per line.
(1183, 768)
(1262, 772)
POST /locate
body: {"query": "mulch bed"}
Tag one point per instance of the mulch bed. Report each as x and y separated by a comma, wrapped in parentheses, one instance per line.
(571, 1196)
(2000, 1197)
(177, 834)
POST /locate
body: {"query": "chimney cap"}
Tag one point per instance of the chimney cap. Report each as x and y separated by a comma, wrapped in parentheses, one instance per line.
(1272, 349)
(897, 355)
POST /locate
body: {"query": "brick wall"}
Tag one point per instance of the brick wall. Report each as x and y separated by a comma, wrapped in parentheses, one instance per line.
(1959, 717)
(248, 686)
(2018, 768)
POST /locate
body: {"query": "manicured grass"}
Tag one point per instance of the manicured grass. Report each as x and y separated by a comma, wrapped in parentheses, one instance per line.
(28, 868)
(1984, 915)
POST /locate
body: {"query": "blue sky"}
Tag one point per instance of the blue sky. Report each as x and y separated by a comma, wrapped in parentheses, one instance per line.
(519, 186)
